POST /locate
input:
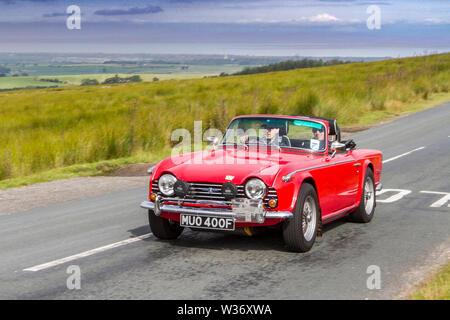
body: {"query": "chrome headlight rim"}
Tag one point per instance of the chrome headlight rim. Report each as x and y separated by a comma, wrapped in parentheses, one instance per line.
(255, 183)
(165, 184)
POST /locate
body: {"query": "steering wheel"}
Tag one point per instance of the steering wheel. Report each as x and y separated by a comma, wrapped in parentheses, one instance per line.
(254, 139)
(305, 144)
(288, 141)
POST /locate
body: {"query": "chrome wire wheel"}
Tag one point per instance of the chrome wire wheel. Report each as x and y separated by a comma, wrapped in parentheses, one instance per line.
(309, 218)
(299, 232)
(369, 196)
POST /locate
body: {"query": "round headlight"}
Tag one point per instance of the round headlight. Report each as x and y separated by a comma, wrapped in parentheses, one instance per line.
(255, 189)
(165, 184)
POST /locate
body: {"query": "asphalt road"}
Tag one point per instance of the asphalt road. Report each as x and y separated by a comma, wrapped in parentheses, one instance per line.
(402, 238)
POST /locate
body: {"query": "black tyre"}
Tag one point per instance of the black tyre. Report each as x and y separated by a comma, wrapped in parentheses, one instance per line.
(163, 228)
(366, 209)
(300, 231)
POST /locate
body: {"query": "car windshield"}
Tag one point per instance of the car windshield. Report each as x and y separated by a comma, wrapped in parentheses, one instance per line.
(279, 132)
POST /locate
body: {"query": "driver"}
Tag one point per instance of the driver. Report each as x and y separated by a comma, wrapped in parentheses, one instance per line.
(319, 135)
(271, 136)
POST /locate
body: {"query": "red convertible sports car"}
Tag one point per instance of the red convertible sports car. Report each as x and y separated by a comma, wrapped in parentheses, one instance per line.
(290, 171)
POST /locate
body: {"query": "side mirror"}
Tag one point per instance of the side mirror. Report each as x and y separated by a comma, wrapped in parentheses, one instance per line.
(337, 146)
(213, 140)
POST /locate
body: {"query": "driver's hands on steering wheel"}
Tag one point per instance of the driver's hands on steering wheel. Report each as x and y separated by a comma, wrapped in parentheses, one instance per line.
(243, 139)
(251, 139)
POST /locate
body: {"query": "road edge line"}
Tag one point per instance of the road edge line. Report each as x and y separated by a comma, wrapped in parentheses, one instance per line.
(86, 253)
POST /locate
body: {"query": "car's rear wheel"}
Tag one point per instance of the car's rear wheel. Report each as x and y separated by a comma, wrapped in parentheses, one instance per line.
(163, 228)
(366, 209)
(300, 231)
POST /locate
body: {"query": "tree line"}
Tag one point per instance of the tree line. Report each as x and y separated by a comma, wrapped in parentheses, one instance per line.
(289, 65)
(115, 79)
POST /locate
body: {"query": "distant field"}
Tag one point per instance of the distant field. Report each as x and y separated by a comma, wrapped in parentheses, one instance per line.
(74, 73)
(75, 80)
(54, 128)
(113, 68)
(23, 82)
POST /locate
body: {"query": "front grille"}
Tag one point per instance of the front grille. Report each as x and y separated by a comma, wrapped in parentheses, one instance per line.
(209, 192)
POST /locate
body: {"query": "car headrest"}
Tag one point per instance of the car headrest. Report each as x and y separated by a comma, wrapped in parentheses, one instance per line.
(284, 129)
(332, 124)
(334, 129)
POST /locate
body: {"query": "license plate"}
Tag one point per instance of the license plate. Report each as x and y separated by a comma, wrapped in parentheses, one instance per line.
(206, 222)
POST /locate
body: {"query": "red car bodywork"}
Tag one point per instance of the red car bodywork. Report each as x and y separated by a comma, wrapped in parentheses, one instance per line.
(338, 179)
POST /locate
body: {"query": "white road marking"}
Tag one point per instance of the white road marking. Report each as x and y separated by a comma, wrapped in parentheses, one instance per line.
(398, 194)
(87, 253)
(402, 155)
(441, 201)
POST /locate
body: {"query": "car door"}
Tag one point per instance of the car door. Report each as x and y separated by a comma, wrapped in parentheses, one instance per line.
(346, 171)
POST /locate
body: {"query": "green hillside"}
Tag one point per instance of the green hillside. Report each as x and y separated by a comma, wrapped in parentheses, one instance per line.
(52, 128)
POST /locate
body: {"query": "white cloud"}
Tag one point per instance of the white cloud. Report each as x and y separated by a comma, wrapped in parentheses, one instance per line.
(323, 17)
(435, 21)
(319, 18)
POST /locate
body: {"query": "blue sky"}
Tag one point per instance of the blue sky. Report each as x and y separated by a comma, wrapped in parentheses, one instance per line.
(264, 27)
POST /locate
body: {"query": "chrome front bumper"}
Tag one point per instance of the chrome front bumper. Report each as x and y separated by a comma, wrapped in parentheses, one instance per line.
(216, 212)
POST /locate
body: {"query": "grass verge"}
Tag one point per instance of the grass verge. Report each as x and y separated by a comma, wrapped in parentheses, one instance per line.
(100, 168)
(437, 287)
(381, 116)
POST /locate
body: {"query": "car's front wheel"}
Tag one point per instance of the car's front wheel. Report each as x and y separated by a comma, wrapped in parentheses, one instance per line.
(163, 228)
(300, 231)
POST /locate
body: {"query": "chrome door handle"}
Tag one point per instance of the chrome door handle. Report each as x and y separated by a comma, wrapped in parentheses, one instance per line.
(357, 164)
